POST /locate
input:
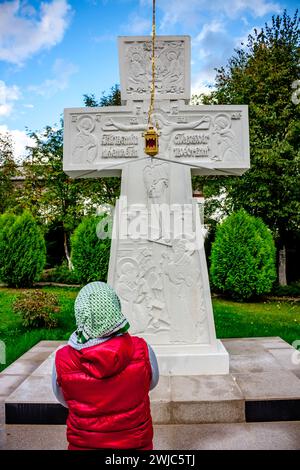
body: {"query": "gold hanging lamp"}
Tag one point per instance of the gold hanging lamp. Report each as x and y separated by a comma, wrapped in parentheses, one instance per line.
(151, 134)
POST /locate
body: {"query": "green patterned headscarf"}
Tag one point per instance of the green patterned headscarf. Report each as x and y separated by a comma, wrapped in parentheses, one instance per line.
(98, 312)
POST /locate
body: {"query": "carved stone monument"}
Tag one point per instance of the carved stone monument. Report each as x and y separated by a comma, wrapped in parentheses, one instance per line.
(157, 262)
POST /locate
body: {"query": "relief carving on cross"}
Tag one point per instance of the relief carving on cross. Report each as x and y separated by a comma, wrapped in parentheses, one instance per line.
(162, 281)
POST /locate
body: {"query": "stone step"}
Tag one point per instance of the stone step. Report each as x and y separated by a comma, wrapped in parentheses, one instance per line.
(234, 436)
(263, 385)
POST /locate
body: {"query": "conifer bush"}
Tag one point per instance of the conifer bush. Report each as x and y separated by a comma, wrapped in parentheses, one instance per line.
(243, 257)
(22, 250)
(89, 253)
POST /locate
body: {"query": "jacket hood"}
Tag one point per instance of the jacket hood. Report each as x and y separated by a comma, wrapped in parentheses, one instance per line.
(108, 358)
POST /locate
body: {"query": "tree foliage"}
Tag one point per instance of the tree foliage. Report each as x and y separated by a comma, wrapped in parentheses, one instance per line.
(7, 171)
(243, 257)
(113, 98)
(260, 74)
(90, 254)
(22, 250)
(51, 195)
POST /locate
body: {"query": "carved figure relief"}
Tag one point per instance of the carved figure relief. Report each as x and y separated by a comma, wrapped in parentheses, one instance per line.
(182, 285)
(169, 57)
(156, 178)
(167, 128)
(139, 286)
(225, 144)
(85, 147)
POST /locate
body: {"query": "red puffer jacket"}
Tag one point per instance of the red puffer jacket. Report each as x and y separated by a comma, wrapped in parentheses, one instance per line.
(106, 388)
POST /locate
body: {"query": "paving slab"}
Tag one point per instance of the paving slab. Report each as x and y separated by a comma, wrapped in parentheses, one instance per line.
(34, 389)
(277, 385)
(49, 344)
(46, 367)
(243, 346)
(237, 436)
(8, 383)
(289, 358)
(252, 363)
(204, 388)
(273, 343)
(22, 367)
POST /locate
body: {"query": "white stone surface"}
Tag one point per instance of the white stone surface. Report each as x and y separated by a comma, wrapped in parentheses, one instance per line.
(172, 67)
(213, 137)
(157, 263)
(192, 359)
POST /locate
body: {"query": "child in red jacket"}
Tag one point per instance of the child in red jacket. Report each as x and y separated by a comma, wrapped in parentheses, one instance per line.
(104, 376)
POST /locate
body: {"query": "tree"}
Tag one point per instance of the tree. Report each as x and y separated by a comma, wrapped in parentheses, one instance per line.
(7, 171)
(243, 257)
(90, 254)
(261, 75)
(51, 195)
(22, 249)
(112, 186)
(113, 98)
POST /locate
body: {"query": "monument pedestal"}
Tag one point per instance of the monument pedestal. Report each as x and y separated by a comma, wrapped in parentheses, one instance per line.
(192, 359)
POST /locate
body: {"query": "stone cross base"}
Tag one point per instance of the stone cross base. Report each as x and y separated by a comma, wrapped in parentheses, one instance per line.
(192, 359)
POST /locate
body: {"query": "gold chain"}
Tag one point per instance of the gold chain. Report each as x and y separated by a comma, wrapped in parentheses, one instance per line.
(151, 107)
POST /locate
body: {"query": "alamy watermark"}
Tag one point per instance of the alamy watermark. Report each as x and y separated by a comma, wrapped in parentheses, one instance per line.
(295, 357)
(296, 93)
(160, 223)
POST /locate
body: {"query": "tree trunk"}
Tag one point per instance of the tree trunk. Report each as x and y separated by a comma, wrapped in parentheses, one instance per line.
(70, 264)
(282, 266)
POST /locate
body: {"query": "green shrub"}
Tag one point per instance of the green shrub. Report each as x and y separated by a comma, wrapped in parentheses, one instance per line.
(37, 309)
(243, 257)
(60, 274)
(292, 290)
(22, 250)
(6, 222)
(90, 255)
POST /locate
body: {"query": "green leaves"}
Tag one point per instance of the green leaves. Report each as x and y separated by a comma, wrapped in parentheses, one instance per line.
(37, 308)
(243, 257)
(260, 74)
(90, 255)
(7, 171)
(22, 250)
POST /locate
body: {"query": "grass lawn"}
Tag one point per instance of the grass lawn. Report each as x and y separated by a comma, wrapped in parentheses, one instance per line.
(17, 339)
(233, 320)
(266, 318)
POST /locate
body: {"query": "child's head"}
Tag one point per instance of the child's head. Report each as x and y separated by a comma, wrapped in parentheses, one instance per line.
(98, 312)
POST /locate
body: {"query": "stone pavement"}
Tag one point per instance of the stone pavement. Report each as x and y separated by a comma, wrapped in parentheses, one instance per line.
(236, 436)
(256, 405)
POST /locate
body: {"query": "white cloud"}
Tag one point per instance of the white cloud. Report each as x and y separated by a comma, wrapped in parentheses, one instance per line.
(210, 48)
(20, 141)
(138, 25)
(190, 13)
(26, 31)
(62, 71)
(8, 94)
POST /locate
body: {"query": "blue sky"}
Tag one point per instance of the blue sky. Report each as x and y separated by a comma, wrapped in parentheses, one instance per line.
(52, 52)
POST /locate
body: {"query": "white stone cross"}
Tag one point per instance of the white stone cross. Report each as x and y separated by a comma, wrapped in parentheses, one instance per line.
(158, 270)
